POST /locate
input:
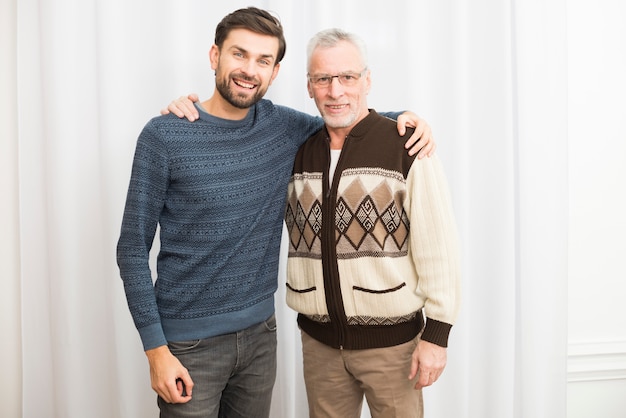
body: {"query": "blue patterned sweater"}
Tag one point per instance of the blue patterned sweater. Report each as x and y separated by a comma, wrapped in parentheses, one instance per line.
(217, 190)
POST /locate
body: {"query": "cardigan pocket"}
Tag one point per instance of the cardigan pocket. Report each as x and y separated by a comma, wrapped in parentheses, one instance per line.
(305, 296)
(388, 306)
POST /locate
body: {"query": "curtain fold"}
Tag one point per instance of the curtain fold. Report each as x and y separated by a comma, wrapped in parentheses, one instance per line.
(10, 303)
(37, 349)
(540, 122)
(83, 77)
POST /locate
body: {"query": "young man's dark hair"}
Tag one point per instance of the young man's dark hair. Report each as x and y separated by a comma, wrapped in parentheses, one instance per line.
(255, 20)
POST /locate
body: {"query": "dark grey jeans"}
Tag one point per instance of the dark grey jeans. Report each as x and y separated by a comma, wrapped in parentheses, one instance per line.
(233, 374)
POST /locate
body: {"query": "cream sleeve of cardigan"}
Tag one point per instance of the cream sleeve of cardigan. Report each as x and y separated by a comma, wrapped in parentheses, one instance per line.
(434, 245)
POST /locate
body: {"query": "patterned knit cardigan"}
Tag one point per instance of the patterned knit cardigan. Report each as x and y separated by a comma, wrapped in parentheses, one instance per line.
(377, 250)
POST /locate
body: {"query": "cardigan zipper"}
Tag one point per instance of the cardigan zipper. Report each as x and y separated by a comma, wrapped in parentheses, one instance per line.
(332, 284)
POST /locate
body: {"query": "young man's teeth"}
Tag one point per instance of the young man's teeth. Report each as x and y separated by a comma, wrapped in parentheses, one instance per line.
(244, 85)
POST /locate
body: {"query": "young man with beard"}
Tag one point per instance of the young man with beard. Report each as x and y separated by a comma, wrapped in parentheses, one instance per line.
(216, 188)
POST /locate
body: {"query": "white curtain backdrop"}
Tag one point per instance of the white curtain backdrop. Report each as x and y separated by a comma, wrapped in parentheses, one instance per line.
(80, 78)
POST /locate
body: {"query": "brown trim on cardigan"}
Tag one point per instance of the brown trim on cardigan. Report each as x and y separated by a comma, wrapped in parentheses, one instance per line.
(358, 337)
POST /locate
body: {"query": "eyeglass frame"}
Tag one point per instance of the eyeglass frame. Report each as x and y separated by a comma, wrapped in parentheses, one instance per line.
(315, 80)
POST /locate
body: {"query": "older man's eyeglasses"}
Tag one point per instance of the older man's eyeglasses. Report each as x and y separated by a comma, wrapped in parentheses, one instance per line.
(348, 79)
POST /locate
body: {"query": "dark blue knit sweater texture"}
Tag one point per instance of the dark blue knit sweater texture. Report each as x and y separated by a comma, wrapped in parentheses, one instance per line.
(216, 189)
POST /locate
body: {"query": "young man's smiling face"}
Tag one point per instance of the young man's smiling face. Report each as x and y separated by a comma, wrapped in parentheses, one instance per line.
(245, 67)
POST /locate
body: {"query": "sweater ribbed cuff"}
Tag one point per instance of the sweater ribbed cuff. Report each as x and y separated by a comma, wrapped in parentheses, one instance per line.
(436, 332)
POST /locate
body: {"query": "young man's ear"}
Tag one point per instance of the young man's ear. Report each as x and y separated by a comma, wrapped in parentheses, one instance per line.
(214, 56)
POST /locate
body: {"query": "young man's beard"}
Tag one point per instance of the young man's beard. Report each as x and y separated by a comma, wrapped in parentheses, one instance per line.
(240, 102)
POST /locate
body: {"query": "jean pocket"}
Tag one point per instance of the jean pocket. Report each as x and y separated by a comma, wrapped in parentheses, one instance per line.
(183, 346)
(270, 323)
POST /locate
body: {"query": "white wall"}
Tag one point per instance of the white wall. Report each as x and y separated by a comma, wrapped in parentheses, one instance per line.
(597, 226)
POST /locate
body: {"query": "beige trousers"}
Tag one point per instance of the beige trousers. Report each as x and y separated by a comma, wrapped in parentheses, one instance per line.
(336, 381)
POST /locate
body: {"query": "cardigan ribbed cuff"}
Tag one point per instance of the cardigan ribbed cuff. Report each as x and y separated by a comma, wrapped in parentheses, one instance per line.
(436, 332)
